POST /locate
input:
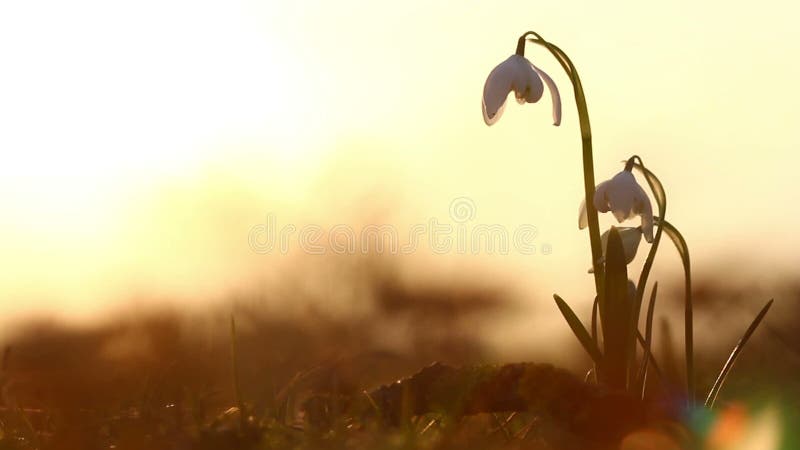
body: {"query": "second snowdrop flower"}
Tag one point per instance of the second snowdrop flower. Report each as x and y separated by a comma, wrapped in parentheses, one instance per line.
(623, 196)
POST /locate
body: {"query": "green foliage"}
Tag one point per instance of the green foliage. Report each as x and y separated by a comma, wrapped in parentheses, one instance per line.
(723, 374)
(619, 312)
(615, 315)
(588, 343)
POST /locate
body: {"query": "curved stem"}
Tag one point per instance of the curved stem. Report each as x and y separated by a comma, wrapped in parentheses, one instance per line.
(683, 250)
(658, 192)
(641, 378)
(661, 200)
(588, 161)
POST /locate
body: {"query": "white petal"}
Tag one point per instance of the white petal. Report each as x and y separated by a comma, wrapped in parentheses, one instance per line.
(622, 194)
(625, 178)
(600, 196)
(532, 89)
(583, 218)
(644, 208)
(512, 74)
(494, 117)
(621, 214)
(647, 220)
(630, 237)
(495, 90)
(551, 85)
(642, 200)
(625, 198)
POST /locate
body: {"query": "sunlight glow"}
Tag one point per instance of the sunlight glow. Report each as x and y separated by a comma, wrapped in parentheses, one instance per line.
(339, 105)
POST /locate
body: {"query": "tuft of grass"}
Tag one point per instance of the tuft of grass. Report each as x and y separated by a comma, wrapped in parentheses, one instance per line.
(723, 374)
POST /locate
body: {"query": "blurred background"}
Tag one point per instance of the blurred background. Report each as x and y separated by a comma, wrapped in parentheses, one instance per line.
(148, 148)
(143, 142)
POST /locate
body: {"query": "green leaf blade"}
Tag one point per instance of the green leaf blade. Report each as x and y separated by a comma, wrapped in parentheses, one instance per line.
(618, 340)
(579, 330)
(723, 374)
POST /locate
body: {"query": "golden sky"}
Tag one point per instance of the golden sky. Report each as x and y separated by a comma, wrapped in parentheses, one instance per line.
(142, 140)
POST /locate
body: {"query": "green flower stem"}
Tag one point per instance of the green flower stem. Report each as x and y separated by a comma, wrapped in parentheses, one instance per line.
(641, 377)
(588, 161)
(661, 200)
(683, 250)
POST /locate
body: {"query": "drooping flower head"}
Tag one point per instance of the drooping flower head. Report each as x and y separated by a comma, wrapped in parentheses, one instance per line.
(623, 196)
(519, 75)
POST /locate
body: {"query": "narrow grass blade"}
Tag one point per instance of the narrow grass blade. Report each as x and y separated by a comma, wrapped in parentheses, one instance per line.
(641, 378)
(653, 364)
(578, 330)
(617, 337)
(712, 394)
(283, 402)
(372, 403)
(683, 250)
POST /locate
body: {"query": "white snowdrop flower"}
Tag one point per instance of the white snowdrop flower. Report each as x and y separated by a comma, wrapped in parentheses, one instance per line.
(630, 236)
(517, 74)
(623, 196)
